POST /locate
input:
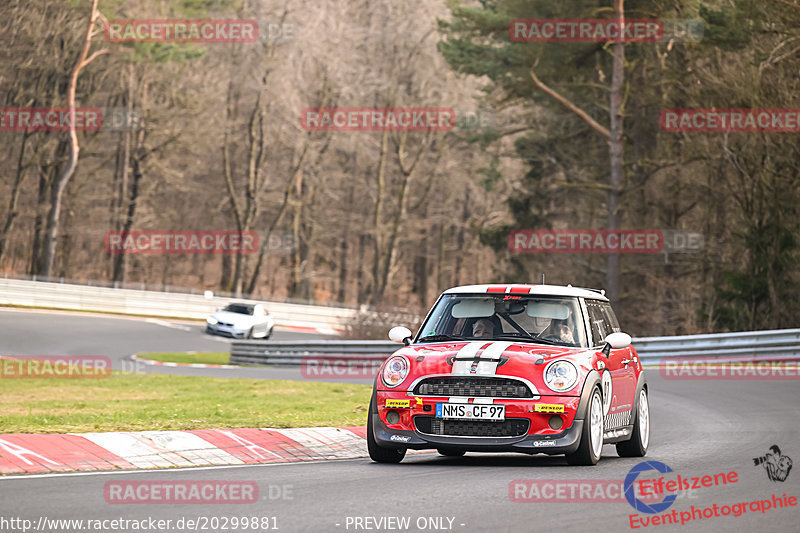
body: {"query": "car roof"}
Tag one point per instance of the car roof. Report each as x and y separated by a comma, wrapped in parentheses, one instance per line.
(521, 288)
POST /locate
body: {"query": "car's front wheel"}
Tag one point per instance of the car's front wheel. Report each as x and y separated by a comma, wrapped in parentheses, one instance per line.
(591, 443)
(378, 453)
(640, 440)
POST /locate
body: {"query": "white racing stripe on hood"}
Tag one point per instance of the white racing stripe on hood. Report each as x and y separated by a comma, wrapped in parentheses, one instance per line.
(467, 352)
(493, 352)
(463, 364)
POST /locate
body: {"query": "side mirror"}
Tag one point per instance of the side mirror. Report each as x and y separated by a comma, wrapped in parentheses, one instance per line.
(400, 334)
(616, 341)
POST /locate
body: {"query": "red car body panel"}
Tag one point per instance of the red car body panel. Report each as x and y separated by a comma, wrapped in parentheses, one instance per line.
(536, 419)
(521, 363)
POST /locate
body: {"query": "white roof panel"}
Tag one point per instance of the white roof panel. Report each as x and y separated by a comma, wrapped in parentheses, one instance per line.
(522, 288)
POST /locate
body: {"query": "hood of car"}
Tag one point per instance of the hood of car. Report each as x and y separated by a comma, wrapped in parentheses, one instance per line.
(233, 318)
(476, 358)
(520, 350)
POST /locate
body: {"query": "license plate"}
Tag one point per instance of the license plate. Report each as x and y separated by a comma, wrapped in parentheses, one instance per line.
(471, 411)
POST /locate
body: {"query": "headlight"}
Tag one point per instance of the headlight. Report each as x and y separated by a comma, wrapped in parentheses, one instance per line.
(395, 371)
(561, 376)
(211, 320)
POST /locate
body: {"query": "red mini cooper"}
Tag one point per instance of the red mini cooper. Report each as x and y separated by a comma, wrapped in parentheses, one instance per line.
(512, 368)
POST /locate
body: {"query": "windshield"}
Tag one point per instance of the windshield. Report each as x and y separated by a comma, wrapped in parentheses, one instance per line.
(242, 309)
(549, 320)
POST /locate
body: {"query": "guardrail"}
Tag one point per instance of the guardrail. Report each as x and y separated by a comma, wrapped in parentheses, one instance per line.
(162, 304)
(294, 352)
(746, 345)
(751, 345)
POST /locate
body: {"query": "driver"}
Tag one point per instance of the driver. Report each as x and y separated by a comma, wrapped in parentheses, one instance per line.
(483, 328)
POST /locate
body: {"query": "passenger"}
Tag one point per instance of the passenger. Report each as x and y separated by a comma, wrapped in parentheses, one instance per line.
(562, 332)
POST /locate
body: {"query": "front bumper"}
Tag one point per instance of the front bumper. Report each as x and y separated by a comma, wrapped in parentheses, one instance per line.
(561, 443)
(225, 331)
(414, 427)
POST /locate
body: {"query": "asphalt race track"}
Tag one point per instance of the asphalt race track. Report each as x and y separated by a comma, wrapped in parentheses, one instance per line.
(699, 427)
(29, 332)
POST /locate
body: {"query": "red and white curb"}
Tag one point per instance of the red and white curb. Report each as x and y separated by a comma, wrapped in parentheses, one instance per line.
(310, 329)
(26, 453)
(142, 360)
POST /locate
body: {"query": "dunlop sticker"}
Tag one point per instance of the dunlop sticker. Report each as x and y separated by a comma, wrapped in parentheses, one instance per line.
(549, 408)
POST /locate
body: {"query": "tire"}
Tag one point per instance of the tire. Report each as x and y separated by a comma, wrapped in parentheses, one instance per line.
(378, 453)
(450, 452)
(640, 440)
(591, 443)
(249, 334)
(269, 334)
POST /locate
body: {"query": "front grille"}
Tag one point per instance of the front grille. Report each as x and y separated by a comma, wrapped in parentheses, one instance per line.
(473, 387)
(510, 427)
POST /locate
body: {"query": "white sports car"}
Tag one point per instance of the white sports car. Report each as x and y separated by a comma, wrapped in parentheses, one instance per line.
(241, 321)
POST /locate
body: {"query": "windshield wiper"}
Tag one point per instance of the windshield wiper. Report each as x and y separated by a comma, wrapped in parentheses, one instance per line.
(528, 336)
(441, 337)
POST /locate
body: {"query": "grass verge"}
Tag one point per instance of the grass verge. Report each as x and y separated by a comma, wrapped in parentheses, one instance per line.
(128, 401)
(208, 358)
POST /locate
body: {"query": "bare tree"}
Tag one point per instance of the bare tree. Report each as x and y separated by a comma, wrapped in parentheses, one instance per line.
(57, 191)
(615, 142)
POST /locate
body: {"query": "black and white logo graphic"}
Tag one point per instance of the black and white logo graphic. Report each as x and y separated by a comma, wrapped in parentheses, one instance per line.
(777, 466)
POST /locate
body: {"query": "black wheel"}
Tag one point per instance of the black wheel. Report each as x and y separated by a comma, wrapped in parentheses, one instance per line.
(378, 453)
(268, 335)
(249, 334)
(591, 444)
(450, 453)
(640, 440)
